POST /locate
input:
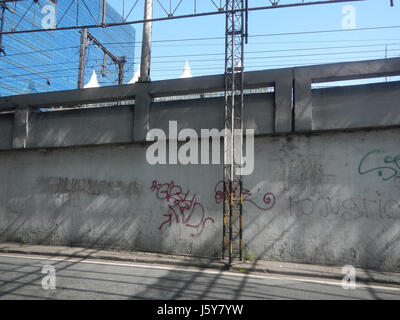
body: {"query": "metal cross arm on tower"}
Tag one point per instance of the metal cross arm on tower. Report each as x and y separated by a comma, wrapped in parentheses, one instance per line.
(119, 61)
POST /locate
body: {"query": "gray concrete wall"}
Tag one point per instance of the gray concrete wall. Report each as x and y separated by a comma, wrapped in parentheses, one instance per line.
(361, 106)
(325, 198)
(337, 199)
(80, 127)
(103, 197)
(317, 194)
(208, 114)
(6, 130)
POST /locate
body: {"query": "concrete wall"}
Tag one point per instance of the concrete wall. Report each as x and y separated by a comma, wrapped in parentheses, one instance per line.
(337, 199)
(80, 127)
(318, 194)
(103, 197)
(310, 199)
(6, 130)
(360, 106)
(293, 106)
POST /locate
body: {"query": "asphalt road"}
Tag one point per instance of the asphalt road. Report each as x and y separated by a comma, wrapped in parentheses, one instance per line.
(21, 278)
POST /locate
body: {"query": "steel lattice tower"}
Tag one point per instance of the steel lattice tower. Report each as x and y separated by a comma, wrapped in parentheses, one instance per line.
(233, 138)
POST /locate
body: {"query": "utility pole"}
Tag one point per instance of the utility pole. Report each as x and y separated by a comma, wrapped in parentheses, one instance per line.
(121, 69)
(3, 9)
(103, 23)
(82, 57)
(146, 42)
(235, 34)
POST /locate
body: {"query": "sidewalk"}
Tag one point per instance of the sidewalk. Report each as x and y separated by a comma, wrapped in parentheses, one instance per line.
(259, 266)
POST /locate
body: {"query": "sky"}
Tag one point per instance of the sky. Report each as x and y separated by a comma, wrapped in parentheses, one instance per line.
(278, 38)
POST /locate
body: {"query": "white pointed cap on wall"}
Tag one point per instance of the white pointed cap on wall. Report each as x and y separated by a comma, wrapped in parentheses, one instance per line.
(186, 71)
(93, 83)
(135, 77)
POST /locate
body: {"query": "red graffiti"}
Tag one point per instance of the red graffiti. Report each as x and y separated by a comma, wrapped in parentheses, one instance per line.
(182, 207)
(268, 199)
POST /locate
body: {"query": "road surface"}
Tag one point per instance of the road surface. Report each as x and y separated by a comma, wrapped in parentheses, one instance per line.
(21, 277)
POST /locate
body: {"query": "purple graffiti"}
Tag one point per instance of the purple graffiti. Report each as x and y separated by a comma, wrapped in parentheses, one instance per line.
(268, 199)
(182, 207)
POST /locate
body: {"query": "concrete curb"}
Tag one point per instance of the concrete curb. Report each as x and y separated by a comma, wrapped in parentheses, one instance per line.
(259, 266)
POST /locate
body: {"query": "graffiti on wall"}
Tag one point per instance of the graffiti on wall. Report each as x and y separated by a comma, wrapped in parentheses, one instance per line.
(183, 208)
(73, 188)
(352, 208)
(385, 165)
(261, 200)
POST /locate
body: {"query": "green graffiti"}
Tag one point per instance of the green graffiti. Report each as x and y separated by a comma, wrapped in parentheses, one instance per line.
(389, 169)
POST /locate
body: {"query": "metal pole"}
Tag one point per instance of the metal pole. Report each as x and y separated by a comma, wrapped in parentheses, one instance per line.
(233, 138)
(146, 42)
(104, 14)
(3, 8)
(121, 64)
(103, 67)
(119, 61)
(82, 57)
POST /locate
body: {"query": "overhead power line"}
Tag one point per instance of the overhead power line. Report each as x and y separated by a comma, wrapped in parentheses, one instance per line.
(220, 38)
(249, 52)
(212, 60)
(171, 16)
(270, 34)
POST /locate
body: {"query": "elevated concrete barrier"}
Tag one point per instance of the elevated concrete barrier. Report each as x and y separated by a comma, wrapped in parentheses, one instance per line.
(291, 106)
(318, 194)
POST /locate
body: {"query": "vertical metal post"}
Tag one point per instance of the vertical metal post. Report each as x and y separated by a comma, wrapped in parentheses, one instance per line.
(121, 65)
(77, 13)
(146, 42)
(3, 9)
(103, 66)
(82, 58)
(123, 10)
(104, 13)
(233, 138)
(224, 220)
